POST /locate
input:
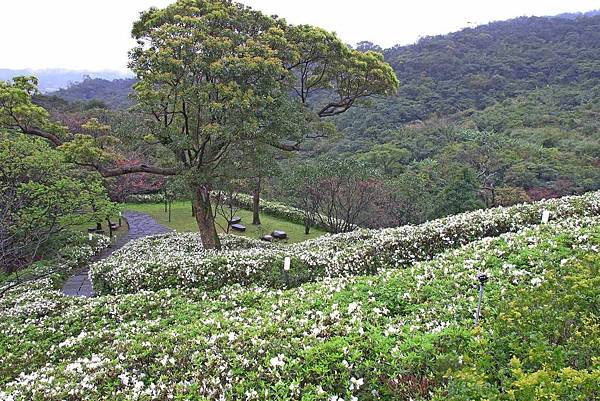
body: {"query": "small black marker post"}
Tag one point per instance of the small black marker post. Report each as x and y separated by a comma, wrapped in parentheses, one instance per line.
(286, 268)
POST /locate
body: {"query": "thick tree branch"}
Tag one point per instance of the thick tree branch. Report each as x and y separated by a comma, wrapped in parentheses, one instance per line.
(140, 168)
(55, 140)
(105, 171)
(333, 109)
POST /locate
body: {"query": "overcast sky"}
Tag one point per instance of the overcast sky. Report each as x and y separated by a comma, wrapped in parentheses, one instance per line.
(95, 35)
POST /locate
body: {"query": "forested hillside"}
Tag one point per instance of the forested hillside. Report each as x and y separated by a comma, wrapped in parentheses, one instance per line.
(475, 68)
(506, 112)
(494, 115)
(114, 94)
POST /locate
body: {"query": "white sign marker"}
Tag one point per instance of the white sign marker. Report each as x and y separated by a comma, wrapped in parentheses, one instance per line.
(545, 216)
(286, 263)
(90, 236)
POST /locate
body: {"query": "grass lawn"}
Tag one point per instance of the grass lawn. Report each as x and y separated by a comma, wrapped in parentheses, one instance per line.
(183, 221)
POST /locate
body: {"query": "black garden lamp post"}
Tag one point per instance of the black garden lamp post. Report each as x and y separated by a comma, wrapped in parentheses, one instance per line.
(483, 278)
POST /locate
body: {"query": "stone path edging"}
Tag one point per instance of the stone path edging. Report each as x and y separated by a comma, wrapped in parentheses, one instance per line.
(140, 225)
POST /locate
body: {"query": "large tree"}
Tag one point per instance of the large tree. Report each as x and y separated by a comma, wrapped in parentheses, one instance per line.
(42, 199)
(214, 75)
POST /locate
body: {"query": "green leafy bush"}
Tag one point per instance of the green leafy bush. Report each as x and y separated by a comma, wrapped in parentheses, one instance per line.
(43, 199)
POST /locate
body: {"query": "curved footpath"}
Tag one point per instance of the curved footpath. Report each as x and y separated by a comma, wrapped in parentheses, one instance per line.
(140, 225)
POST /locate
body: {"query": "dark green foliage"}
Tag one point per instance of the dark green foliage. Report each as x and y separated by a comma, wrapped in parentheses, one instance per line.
(114, 94)
(460, 193)
(474, 68)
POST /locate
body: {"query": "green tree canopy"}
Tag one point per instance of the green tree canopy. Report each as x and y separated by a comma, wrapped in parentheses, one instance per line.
(216, 76)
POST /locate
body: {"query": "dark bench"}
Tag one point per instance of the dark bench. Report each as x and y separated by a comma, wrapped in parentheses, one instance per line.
(279, 234)
(238, 227)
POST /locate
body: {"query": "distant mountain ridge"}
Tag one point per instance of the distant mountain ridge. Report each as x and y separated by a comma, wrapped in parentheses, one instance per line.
(591, 13)
(114, 93)
(443, 75)
(54, 79)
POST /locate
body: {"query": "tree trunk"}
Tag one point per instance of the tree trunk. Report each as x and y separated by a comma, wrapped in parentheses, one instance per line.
(306, 226)
(205, 218)
(256, 204)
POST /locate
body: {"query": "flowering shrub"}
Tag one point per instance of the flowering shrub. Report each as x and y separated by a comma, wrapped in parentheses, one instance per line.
(79, 249)
(178, 261)
(145, 198)
(402, 334)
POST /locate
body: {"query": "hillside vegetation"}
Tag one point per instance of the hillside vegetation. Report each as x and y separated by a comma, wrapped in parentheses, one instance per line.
(502, 113)
(477, 67)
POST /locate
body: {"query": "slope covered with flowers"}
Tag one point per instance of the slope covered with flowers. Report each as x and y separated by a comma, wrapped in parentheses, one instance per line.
(178, 260)
(402, 334)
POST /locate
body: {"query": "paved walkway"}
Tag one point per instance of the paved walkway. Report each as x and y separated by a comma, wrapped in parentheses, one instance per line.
(140, 225)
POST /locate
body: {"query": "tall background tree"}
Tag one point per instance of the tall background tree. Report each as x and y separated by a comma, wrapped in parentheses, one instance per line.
(216, 75)
(338, 194)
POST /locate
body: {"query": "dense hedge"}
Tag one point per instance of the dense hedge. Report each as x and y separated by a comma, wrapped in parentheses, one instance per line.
(146, 198)
(276, 209)
(178, 260)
